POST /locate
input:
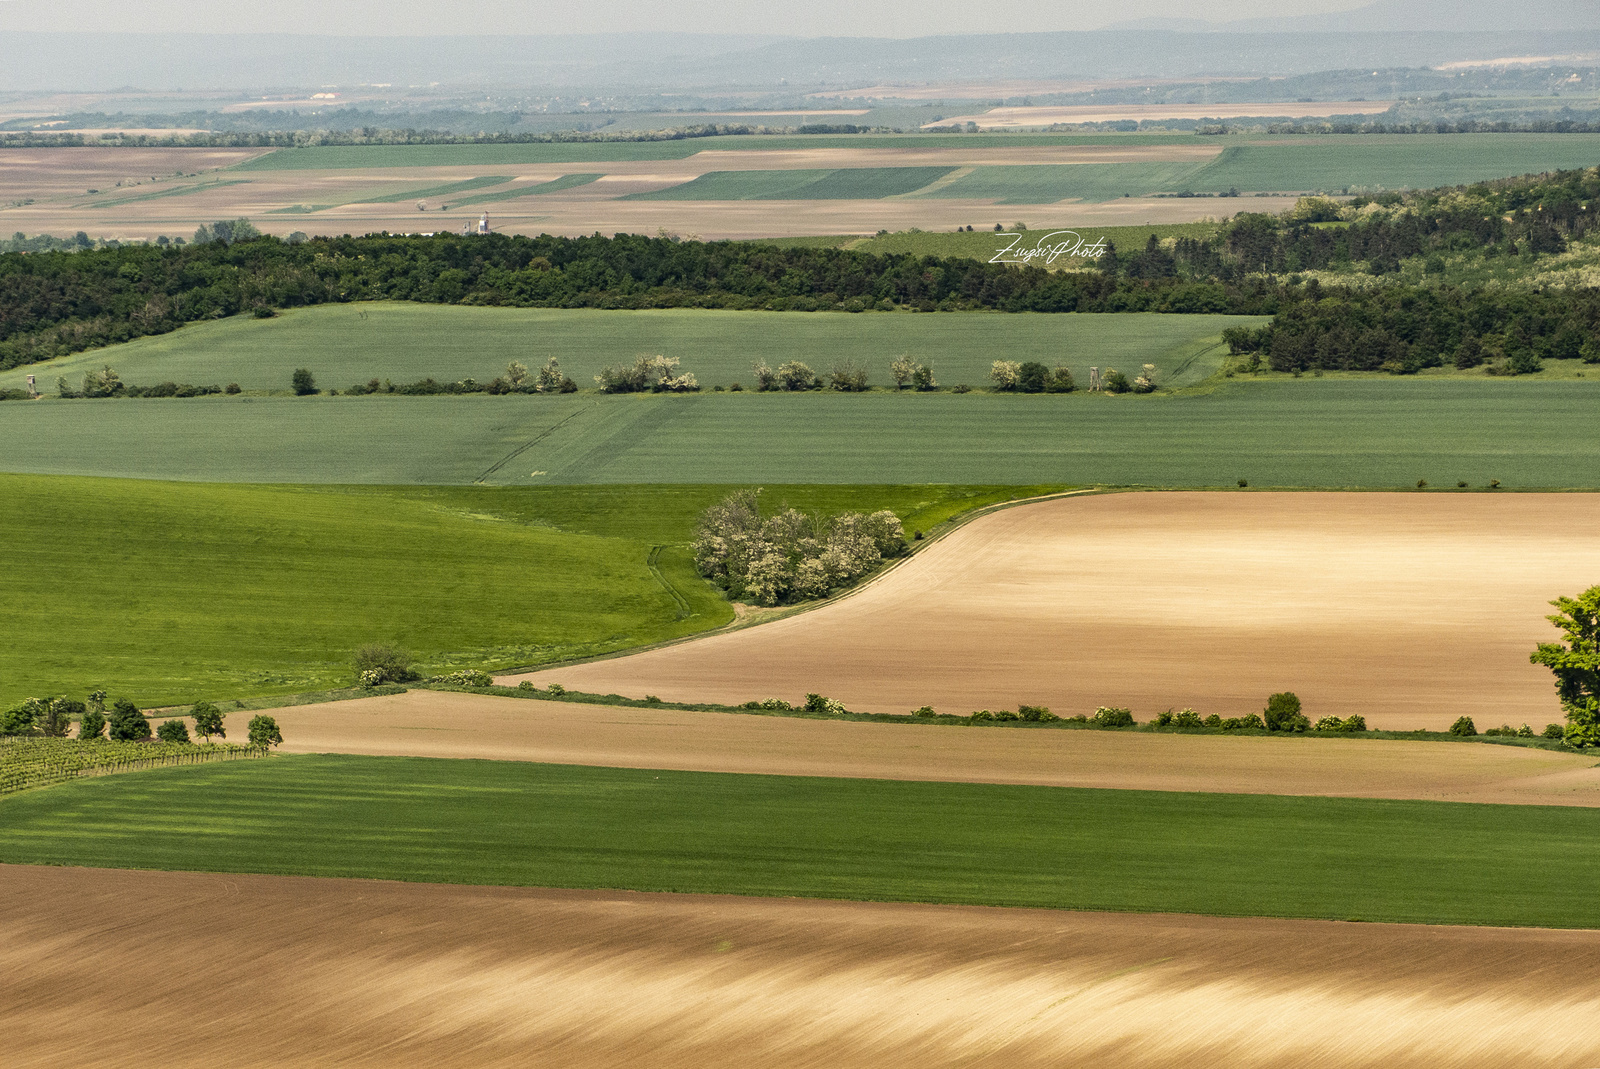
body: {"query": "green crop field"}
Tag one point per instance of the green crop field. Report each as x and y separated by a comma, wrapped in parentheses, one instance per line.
(1381, 432)
(446, 189)
(350, 343)
(538, 189)
(1047, 183)
(851, 183)
(169, 592)
(1290, 164)
(512, 823)
(1392, 161)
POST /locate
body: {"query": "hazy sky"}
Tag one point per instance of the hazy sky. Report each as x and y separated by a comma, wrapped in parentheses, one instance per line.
(811, 18)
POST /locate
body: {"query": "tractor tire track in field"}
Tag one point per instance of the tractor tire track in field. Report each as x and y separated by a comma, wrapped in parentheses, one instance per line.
(521, 449)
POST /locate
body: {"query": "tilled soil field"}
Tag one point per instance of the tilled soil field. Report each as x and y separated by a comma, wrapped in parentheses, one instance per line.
(430, 724)
(137, 969)
(1409, 609)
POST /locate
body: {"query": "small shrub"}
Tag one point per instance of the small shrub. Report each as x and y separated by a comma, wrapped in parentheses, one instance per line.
(1006, 374)
(1116, 382)
(1060, 381)
(1006, 714)
(1212, 721)
(1032, 377)
(922, 379)
(556, 689)
(1036, 714)
(264, 733)
(925, 711)
(1249, 722)
(981, 716)
(467, 677)
(1525, 732)
(378, 663)
(1464, 726)
(1146, 382)
(1554, 731)
(848, 377)
(1243, 483)
(1164, 719)
(173, 731)
(1112, 717)
(526, 685)
(795, 376)
(1186, 718)
(231, 388)
(961, 387)
(1355, 722)
(303, 381)
(816, 703)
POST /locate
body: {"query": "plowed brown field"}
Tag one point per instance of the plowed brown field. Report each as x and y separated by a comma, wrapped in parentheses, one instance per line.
(136, 969)
(429, 724)
(1410, 609)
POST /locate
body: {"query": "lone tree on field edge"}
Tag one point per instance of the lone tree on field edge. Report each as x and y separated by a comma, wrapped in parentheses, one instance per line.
(207, 721)
(303, 381)
(1283, 713)
(1576, 665)
(264, 733)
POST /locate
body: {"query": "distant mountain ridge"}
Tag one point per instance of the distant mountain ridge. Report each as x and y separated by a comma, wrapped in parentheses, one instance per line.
(93, 62)
(1407, 16)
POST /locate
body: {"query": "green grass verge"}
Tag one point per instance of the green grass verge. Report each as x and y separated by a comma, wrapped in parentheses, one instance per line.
(344, 344)
(512, 823)
(170, 592)
(860, 183)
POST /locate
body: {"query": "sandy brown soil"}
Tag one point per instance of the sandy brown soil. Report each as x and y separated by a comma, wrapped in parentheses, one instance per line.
(131, 969)
(56, 181)
(1410, 609)
(1004, 118)
(430, 724)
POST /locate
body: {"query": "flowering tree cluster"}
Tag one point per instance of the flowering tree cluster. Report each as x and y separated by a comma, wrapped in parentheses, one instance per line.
(790, 556)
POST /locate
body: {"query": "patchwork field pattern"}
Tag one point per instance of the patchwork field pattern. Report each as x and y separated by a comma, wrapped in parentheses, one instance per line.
(780, 185)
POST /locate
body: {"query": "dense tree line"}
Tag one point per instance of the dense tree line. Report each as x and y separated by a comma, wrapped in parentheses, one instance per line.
(56, 302)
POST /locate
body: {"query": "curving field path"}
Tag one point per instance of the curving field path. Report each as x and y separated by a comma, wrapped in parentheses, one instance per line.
(180, 970)
(431, 724)
(1410, 609)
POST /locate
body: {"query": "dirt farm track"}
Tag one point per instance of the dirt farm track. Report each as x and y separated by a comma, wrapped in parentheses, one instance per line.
(1410, 609)
(366, 973)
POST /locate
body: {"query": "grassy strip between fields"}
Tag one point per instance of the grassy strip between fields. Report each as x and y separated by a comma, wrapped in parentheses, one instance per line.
(516, 823)
(1006, 720)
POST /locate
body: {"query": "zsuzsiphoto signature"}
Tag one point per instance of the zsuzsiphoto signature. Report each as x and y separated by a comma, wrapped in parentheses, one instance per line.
(1048, 249)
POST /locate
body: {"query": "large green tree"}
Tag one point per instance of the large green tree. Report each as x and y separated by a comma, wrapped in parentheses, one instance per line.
(1576, 664)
